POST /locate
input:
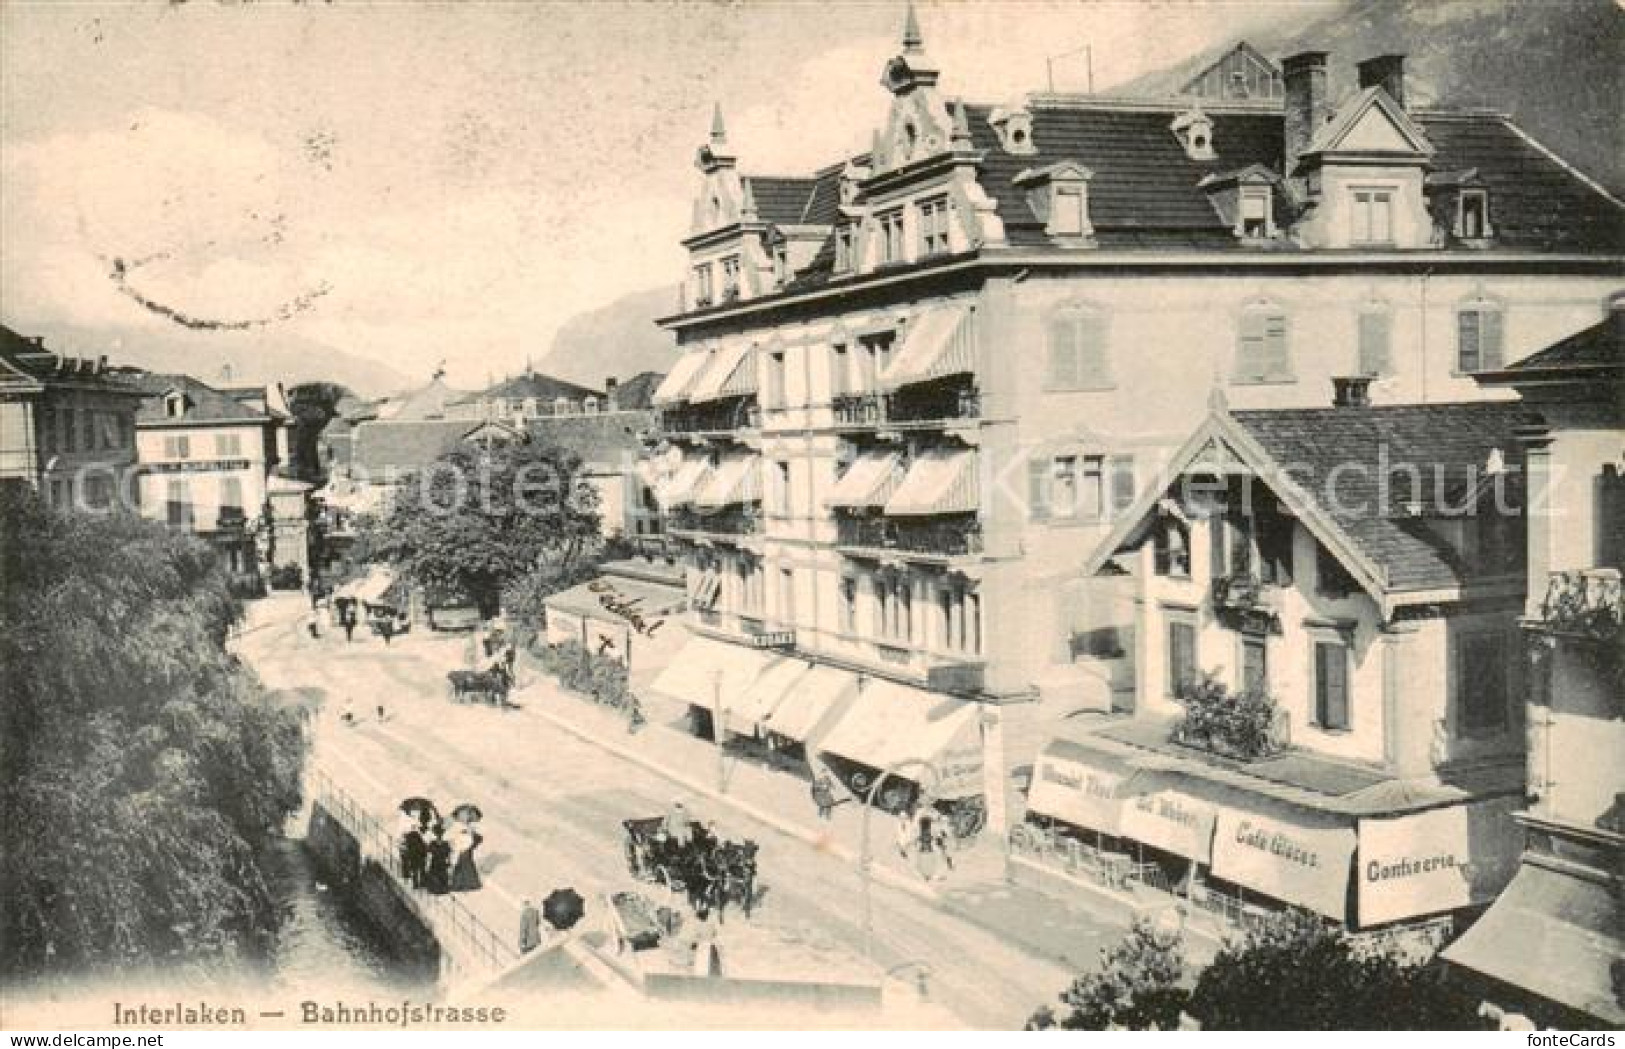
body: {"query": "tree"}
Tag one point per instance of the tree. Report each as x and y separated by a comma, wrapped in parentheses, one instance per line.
(141, 766)
(1138, 987)
(313, 405)
(478, 519)
(1297, 973)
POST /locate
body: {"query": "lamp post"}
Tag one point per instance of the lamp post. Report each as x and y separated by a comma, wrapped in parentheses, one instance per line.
(865, 856)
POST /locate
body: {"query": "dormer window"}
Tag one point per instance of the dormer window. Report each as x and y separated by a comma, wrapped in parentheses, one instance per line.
(1473, 214)
(891, 236)
(934, 227)
(1058, 195)
(1372, 215)
(1255, 220)
(1194, 129)
(174, 404)
(844, 244)
(1070, 215)
(781, 263)
(702, 285)
(1015, 130)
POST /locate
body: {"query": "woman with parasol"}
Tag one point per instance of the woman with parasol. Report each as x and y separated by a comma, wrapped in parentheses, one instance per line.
(464, 839)
(416, 814)
(437, 877)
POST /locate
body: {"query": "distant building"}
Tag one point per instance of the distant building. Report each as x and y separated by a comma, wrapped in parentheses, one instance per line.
(528, 396)
(1553, 946)
(1240, 73)
(206, 458)
(67, 426)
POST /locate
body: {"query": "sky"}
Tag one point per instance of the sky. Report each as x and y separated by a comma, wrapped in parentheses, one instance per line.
(425, 182)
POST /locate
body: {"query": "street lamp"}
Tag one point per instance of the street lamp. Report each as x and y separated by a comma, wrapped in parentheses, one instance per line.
(865, 857)
(717, 730)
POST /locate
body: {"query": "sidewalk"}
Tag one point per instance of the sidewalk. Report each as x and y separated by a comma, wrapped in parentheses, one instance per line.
(977, 889)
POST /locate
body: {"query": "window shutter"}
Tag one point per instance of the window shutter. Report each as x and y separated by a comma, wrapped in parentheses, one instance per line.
(1490, 351)
(1064, 351)
(1468, 354)
(1331, 686)
(1276, 363)
(1122, 482)
(1250, 347)
(1374, 342)
(1038, 480)
(1091, 359)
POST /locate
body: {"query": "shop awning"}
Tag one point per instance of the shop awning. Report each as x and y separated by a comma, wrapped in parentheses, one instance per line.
(816, 695)
(1553, 933)
(706, 669)
(1075, 786)
(731, 373)
(618, 600)
(890, 724)
(937, 342)
(370, 591)
(1292, 855)
(939, 481)
(736, 479)
(868, 483)
(1440, 860)
(675, 386)
(685, 481)
(751, 708)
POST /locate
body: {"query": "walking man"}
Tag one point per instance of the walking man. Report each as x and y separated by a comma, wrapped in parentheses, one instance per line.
(530, 927)
(823, 795)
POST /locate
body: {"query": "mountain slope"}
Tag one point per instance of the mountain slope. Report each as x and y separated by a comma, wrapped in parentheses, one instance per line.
(1554, 66)
(253, 357)
(618, 340)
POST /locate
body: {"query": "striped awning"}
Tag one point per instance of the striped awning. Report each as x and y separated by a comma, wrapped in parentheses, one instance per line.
(736, 479)
(675, 386)
(868, 482)
(757, 701)
(937, 342)
(939, 481)
(896, 726)
(808, 710)
(732, 373)
(680, 488)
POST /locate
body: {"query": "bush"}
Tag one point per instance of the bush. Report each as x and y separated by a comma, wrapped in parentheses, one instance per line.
(1137, 988)
(287, 577)
(1241, 725)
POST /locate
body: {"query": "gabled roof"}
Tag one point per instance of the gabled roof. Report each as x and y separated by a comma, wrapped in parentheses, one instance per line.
(380, 446)
(605, 441)
(425, 402)
(1595, 354)
(27, 366)
(544, 388)
(204, 403)
(1331, 136)
(1334, 468)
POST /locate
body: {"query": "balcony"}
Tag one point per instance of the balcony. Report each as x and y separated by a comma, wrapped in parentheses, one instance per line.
(930, 539)
(732, 524)
(897, 411)
(710, 420)
(1245, 602)
(1585, 605)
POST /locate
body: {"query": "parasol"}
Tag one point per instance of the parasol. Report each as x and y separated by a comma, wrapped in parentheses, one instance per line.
(421, 806)
(563, 908)
(467, 813)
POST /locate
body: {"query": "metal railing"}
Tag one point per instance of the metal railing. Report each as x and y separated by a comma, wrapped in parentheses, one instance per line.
(933, 538)
(899, 409)
(725, 523)
(444, 915)
(720, 417)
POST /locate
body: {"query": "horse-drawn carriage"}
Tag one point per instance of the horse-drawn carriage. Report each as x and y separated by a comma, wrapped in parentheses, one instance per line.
(709, 871)
(488, 686)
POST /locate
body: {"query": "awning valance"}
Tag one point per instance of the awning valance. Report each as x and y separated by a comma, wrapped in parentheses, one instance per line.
(707, 670)
(820, 693)
(1553, 933)
(1435, 861)
(868, 483)
(751, 707)
(736, 479)
(937, 342)
(1075, 786)
(684, 483)
(1301, 858)
(890, 725)
(675, 386)
(939, 481)
(731, 373)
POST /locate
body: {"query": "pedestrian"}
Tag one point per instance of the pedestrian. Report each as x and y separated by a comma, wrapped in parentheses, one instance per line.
(905, 832)
(530, 927)
(405, 827)
(677, 822)
(437, 874)
(703, 935)
(464, 839)
(382, 716)
(823, 795)
(386, 629)
(928, 859)
(349, 625)
(347, 715)
(314, 625)
(942, 841)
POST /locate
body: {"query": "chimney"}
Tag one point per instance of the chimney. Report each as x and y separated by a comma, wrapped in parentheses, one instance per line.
(1304, 77)
(1351, 391)
(1386, 72)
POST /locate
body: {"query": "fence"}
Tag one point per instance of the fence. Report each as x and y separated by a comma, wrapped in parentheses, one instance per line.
(474, 947)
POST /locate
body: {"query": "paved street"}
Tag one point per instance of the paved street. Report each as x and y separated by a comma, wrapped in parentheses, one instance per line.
(554, 805)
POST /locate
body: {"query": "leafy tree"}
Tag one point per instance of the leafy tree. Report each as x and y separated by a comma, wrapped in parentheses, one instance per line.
(140, 765)
(1297, 973)
(1138, 987)
(477, 520)
(313, 405)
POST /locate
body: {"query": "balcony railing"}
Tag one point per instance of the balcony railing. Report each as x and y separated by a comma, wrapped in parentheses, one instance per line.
(1586, 604)
(722, 417)
(1247, 601)
(728, 523)
(901, 409)
(933, 538)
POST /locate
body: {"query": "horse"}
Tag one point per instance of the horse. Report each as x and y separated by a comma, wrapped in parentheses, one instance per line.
(490, 685)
